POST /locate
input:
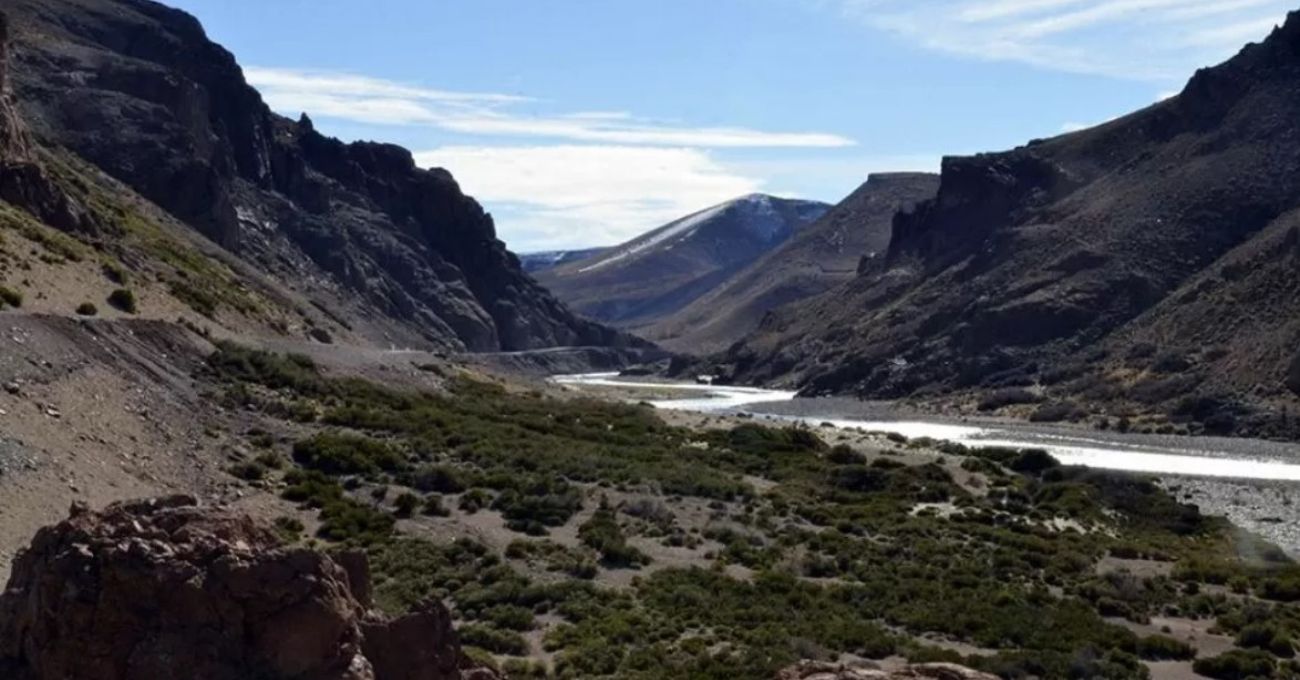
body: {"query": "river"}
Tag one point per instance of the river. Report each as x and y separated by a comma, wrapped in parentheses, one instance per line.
(1162, 455)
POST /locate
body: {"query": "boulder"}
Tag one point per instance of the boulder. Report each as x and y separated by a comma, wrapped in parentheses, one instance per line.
(165, 589)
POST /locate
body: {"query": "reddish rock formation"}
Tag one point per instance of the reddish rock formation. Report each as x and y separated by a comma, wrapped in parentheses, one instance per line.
(812, 670)
(163, 589)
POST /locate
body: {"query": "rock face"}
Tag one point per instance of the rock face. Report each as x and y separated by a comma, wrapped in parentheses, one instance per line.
(812, 670)
(656, 274)
(816, 258)
(1145, 265)
(137, 89)
(164, 589)
(23, 181)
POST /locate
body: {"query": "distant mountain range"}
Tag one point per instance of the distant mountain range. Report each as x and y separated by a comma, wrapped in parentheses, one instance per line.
(658, 273)
(816, 258)
(1147, 269)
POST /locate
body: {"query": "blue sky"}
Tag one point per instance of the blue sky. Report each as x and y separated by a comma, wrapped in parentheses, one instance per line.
(586, 122)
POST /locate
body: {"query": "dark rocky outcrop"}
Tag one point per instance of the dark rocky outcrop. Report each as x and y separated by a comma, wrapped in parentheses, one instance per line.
(1166, 228)
(162, 588)
(137, 89)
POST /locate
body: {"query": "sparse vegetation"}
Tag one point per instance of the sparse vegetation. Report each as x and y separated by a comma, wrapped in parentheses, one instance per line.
(87, 309)
(844, 556)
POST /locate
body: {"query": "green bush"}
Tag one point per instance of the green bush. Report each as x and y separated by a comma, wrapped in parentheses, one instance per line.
(1236, 665)
(1267, 637)
(123, 299)
(10, 297)
(439, 478)
(603, 534)
(510, 617)
(433, 506)
(249, 471)
(842, 454)
(290, 528)
(405, 504)
(493, 640)
(474, 500)
(1162, 648)
(87, 309)
(346, 454)
(115, 273)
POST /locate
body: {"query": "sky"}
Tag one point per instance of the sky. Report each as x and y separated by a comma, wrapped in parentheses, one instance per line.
(581, 123)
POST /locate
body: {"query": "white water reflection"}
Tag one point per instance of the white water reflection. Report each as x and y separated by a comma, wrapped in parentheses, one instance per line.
(1070, 449)
(716, 397)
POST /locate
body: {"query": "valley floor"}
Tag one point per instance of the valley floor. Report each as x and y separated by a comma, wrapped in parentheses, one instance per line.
(585, 537)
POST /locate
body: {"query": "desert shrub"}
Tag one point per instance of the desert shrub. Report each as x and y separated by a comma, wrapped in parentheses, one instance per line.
(533, 503)
(405, 504)
(123, 300)
(603, 534)
(10, 297)
(290, 528)
(439, 478)
(346, 454)
(1284, 588)
(1236, 665)
(348, 520)
(87, 309)
(493, 640)
(1033, 462)
(197, 299)
(1162, 648)
(510, 617)
(1268, 637)
(250, 471)
(474, 500)
(114, 272)
(433, 506)
(843, 454)
(276, 371)
(1006, 397)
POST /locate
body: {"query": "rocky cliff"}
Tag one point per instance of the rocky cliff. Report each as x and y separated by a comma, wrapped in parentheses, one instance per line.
(23, 180)
(165, 589)
(1116, 266)
(137, 89)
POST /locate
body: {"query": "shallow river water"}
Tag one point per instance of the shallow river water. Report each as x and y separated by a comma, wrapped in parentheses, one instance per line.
(1253, 483)
(1185, 456)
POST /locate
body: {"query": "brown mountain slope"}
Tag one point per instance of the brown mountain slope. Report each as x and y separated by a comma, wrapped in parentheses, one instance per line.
(1143, 266)
(395, 252)
(818, 257)
(635, 284)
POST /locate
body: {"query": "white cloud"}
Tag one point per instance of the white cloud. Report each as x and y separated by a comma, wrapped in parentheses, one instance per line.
(566, 196)
(377, 101)
(1074, 126)
(1158, 40)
